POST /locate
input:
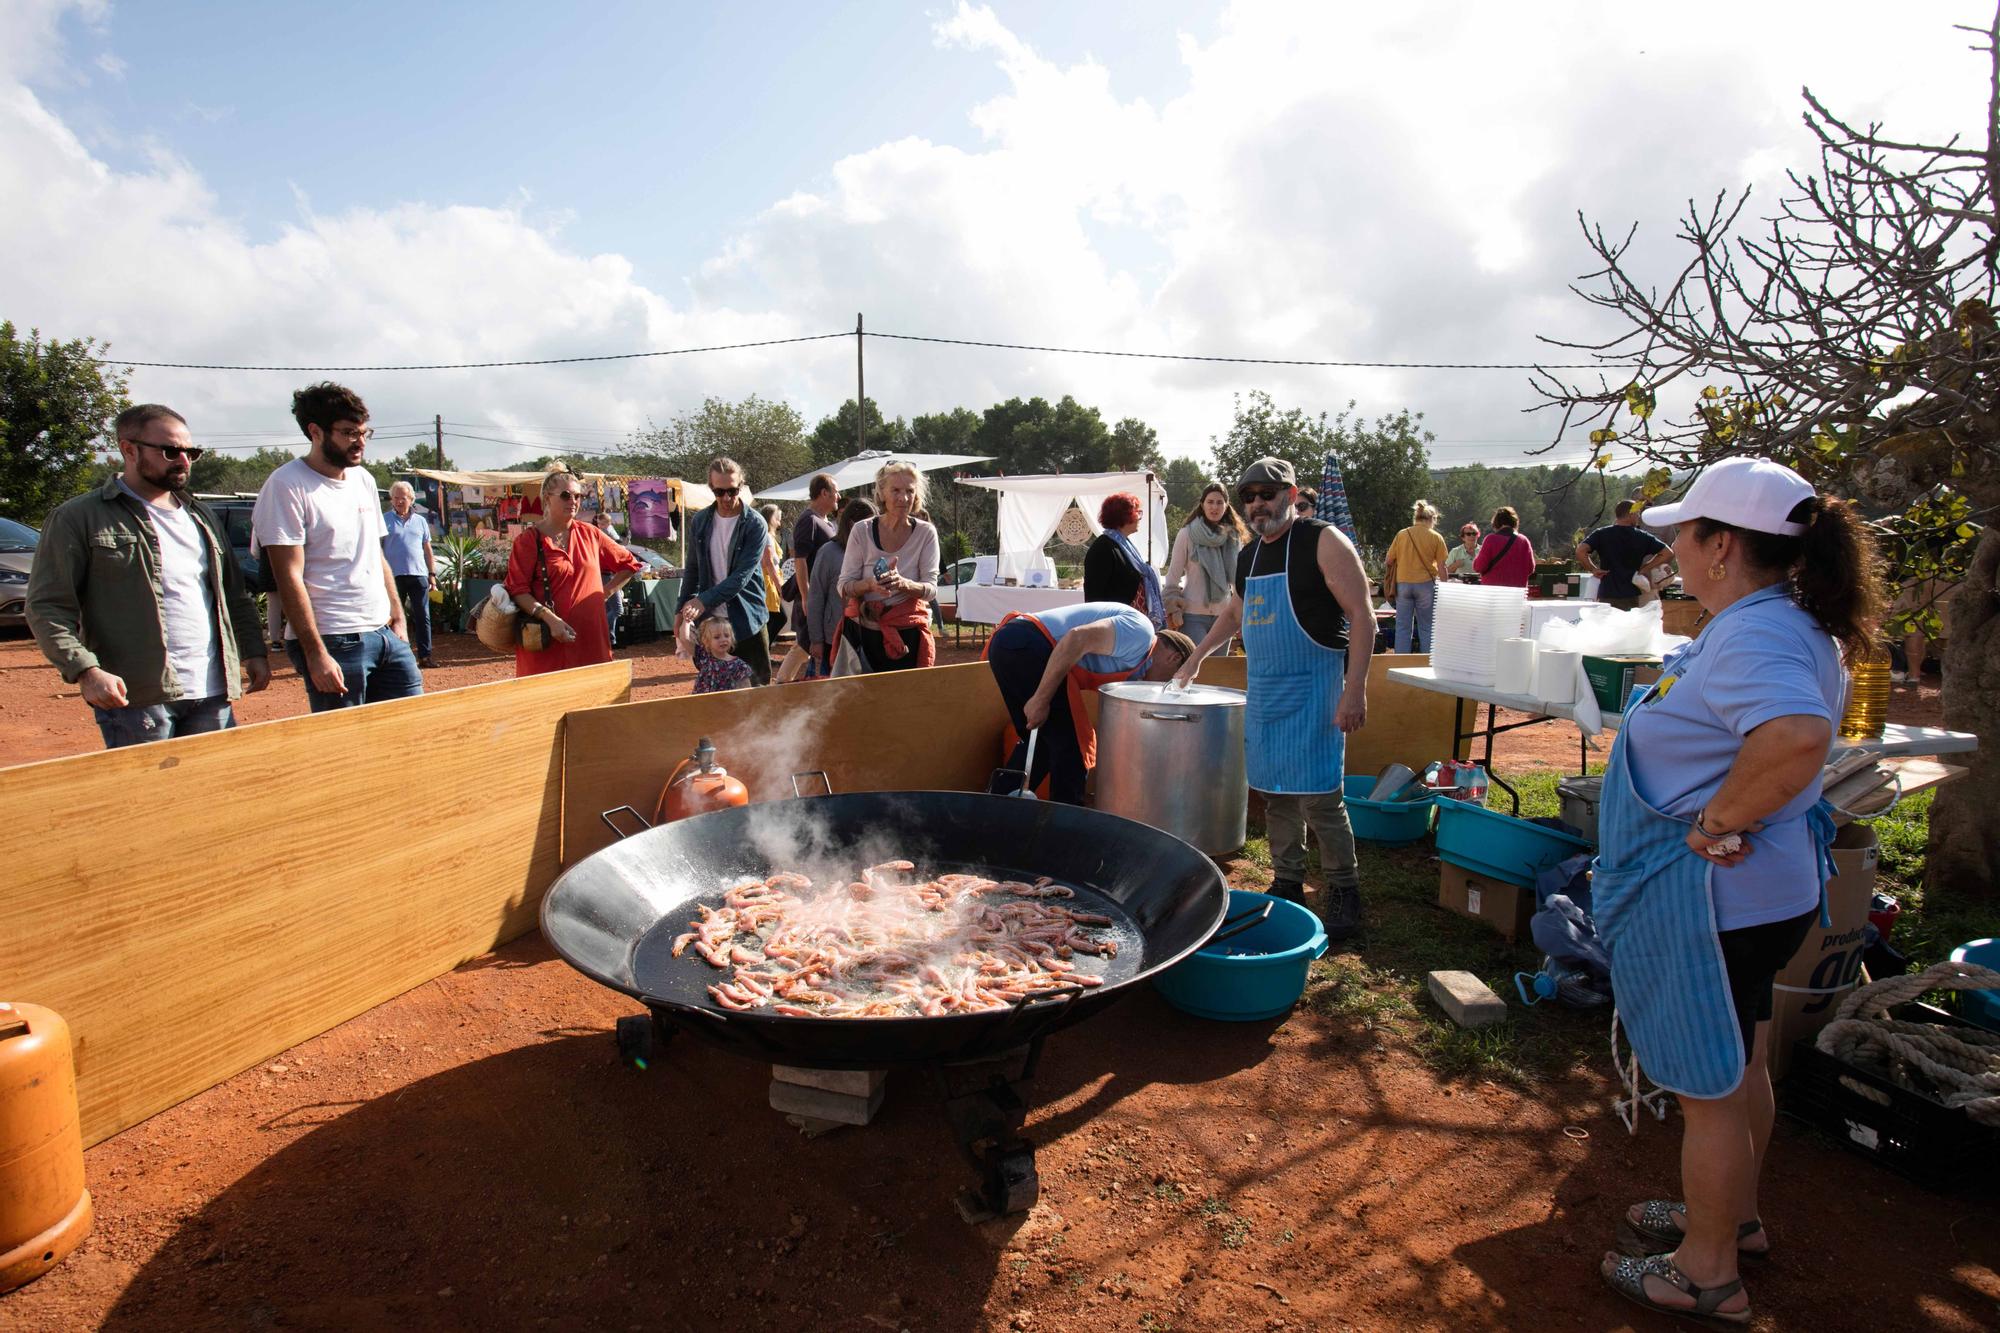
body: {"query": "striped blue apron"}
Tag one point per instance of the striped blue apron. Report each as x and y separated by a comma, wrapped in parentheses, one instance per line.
(1654, 907)
(1291, 744)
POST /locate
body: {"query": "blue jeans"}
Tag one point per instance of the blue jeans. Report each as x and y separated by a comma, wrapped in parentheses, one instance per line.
(375, 666)
(1197, 627)
(614, 607)
(1413, 613)
(138, 723)
(415, 590)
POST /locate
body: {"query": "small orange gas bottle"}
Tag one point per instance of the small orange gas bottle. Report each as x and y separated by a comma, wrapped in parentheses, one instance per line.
(698, 785)
(44, 1208)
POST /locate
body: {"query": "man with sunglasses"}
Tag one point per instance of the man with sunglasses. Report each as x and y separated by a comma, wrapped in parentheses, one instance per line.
(319, 522)
(1298, 588)
(725, 567)
(137, 600)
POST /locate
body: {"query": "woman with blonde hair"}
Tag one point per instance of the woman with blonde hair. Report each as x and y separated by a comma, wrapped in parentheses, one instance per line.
(1410, 574)
(557, 575)
(1202, 567)
(889, 576)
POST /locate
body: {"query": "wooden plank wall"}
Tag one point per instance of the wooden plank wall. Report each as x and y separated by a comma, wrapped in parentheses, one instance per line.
(916, 730)
(199, 905)
(935, 730)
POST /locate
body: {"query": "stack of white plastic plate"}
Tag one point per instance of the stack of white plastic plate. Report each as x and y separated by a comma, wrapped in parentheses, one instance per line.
(1466, 629)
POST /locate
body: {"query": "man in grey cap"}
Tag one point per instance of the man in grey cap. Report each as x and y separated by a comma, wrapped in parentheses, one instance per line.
(1297, 589)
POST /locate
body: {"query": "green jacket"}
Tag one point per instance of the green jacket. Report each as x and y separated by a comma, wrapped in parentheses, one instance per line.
(94, 595)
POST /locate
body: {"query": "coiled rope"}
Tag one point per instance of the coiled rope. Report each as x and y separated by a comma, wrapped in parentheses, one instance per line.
(1961, 1065)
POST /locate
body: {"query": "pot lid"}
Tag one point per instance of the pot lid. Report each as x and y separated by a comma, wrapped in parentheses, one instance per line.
(1159, 692)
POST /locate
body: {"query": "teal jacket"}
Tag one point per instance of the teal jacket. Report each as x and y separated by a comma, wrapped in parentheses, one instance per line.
(94, 595)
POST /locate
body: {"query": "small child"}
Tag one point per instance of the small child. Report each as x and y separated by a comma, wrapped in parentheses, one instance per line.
(715, 665)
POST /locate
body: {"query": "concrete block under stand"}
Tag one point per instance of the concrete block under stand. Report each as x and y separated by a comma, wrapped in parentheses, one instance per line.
(850, 1082)
(819, 1104)
(1468, 1001)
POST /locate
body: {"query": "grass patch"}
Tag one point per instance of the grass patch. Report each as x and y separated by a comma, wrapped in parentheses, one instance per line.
(1381, 988)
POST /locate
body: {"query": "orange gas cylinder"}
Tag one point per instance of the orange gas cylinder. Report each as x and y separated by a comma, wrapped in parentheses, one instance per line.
(698, 785)
(44, 1208)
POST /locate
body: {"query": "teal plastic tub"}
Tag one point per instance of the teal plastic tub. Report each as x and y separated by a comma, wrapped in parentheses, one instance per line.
(1391, 823)
(1259, 973)
(1979, 1006)
(1500, 846)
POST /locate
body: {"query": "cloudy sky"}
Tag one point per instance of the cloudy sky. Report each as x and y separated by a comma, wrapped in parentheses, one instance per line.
(380, 184)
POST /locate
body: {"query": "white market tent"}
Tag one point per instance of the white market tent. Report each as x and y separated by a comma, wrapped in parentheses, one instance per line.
(1031, 507)
(860, 470)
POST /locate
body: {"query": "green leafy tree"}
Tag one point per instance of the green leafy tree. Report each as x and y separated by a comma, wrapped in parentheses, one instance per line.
(767, 438)
(1135, 447)
(56, 405)
(1261, 430)
(1384, 469)
(834, 438)
(1853, 336)
(1184, 480)
(217, 473)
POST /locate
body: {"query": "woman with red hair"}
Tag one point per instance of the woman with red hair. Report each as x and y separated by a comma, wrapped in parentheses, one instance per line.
(1113, 569)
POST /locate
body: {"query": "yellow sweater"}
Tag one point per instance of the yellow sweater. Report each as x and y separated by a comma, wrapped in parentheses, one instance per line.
(1414, 556)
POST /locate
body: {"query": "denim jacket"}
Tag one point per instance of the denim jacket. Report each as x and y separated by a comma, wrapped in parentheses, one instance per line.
(94, 596)
(741, 586)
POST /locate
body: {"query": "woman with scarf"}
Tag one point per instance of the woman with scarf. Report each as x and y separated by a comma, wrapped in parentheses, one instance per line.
(1201, 570)
(1712, 850)
(1113, 569)
(888, 574)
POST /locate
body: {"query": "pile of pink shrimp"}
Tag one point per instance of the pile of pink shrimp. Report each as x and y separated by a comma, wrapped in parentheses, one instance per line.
(886, 945)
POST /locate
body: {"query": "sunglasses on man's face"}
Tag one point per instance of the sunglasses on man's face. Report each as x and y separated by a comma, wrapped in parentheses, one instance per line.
(571, 496)
(172, 451)
(730, 491)
(1247, 494)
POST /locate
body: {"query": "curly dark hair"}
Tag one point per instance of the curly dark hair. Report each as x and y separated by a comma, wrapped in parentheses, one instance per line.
(323, 404)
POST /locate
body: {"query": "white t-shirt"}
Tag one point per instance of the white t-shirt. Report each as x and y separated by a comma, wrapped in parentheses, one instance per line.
(187, 601)
(721, 537)
(339, 525)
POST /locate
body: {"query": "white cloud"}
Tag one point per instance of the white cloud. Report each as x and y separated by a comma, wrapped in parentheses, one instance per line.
(1328, 183)
(110, 64)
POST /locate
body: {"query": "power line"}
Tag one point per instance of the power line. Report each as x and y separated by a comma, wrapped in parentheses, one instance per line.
(474, 365)
(1234, 360)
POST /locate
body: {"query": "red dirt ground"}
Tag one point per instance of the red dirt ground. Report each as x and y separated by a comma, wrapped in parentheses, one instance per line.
(472, 1155)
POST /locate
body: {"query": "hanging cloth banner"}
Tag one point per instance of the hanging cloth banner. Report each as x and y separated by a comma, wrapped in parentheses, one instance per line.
(1333, 500)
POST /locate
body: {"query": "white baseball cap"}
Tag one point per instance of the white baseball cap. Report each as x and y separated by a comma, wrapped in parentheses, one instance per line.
(1752, 493)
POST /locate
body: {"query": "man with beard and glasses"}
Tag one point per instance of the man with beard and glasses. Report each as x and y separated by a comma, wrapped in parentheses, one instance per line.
(319, 522)
(1298, 588)
(137, 600)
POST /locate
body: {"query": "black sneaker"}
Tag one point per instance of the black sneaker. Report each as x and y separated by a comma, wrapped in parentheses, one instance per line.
(1291, 890)
(1343, 913)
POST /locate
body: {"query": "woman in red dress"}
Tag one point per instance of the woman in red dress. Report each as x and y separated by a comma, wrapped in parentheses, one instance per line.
(556, 574)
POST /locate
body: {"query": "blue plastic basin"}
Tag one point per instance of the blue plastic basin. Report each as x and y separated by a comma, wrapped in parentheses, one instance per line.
(1258, 974)
(1979, 1006)
(1392, 823)
(1500, 846)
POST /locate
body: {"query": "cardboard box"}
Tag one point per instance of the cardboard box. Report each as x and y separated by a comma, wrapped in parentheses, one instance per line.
(1503, 906)
(1612, 678)
(1827, 967)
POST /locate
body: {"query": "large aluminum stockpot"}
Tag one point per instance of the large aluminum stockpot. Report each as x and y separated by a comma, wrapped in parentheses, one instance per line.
(1174, 759)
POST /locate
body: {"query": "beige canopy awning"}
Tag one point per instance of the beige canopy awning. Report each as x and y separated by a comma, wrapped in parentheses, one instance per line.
(687, 491)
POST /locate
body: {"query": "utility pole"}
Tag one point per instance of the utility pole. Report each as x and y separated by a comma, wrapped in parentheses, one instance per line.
(860, 392)
(438, 421)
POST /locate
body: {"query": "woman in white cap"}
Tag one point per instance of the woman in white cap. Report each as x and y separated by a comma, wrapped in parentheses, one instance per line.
(1712, 849)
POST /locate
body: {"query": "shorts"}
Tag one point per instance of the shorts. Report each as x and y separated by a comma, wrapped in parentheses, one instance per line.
(1753, 957)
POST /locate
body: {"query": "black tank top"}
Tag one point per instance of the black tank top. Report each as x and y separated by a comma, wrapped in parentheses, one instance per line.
(1312, 601)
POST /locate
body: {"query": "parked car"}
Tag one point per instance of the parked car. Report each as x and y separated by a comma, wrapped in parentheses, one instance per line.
(233, 512)
(951, 576)
(17, 556)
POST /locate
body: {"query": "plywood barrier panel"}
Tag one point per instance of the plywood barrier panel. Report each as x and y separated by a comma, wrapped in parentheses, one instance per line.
(198, 905)
(929, 730)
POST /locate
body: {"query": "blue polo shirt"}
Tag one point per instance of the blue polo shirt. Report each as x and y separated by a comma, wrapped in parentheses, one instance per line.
(404, 546)
(1133, 633)
(1761, 658)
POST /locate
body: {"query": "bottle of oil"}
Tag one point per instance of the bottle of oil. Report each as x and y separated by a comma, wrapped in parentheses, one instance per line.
(1867, 698)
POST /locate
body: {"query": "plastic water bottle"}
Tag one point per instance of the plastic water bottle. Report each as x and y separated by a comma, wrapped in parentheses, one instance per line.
(1472, 784)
